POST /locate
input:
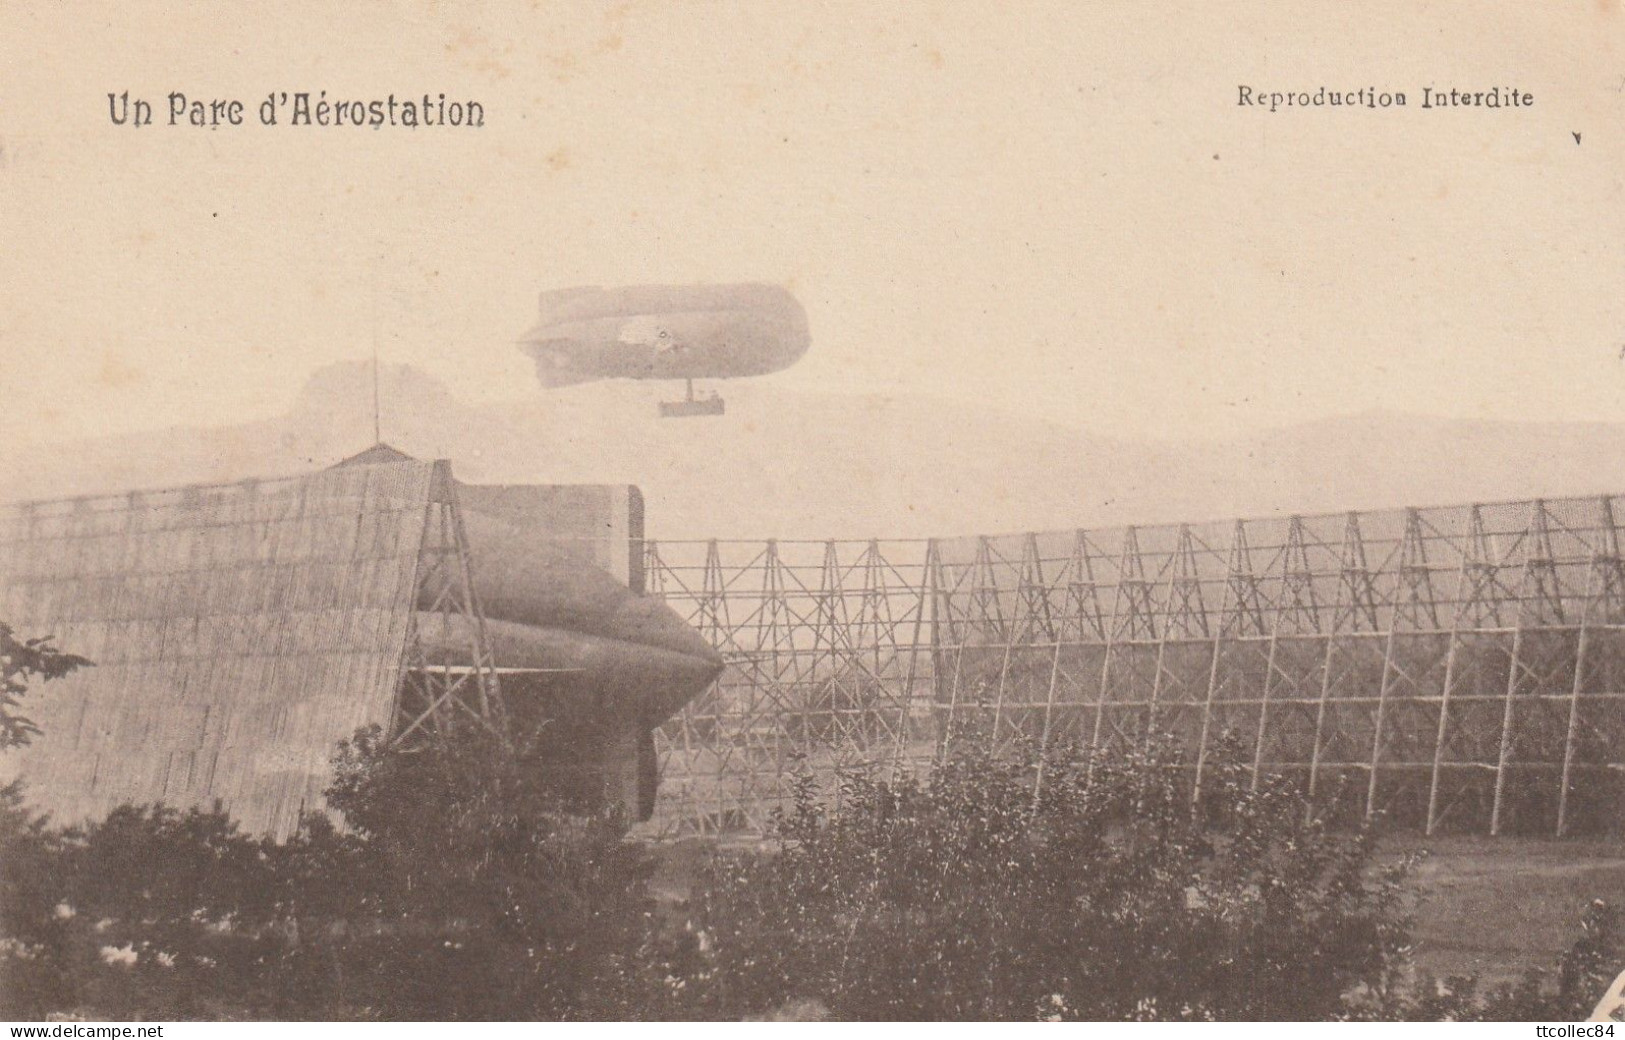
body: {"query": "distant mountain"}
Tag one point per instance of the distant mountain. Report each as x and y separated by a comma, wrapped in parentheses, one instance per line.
(796, 465)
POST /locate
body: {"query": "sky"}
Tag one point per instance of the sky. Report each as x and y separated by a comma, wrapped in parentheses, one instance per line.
(1057, 209)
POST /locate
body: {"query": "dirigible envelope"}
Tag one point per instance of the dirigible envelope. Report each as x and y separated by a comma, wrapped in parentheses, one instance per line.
(548, 605)
(665, 332)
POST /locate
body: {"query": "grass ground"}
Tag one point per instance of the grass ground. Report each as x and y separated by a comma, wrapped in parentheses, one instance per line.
(1499, 907)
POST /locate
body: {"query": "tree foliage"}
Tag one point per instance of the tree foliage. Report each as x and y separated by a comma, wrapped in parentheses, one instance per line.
(1102, 894)
(150, 913)
(1106, 893)
(486, 892)
(23, 662)
(464, 885)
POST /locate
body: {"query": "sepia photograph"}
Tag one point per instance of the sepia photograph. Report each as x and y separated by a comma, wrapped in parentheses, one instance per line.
(812, 511)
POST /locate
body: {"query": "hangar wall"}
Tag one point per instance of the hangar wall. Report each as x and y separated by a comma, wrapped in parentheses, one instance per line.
(1458, 668)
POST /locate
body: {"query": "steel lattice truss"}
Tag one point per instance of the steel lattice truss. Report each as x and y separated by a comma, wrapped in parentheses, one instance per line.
(435, 698)
(1458, 668)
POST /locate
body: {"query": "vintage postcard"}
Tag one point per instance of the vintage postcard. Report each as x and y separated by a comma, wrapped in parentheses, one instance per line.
(950, 511)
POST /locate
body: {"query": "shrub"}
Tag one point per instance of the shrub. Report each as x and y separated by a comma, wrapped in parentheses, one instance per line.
(470, 886)
(150, 913)
(1101, 895)
(466, 886)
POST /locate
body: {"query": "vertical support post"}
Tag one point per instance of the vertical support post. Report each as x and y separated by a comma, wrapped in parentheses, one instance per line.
(1128, 569)
(489, 685)
(956, 638)
(712, 612)
(993, 628)
(1352, 579)
(1049, 708)
(1476, 555)
(1605, 564)
(1537, 552)
(1238, 541)
(1574, 698)
(1184, 615)
(1158, 668)
(923, 603)
(771, 632)
(1297, 602)
(1506, 732)
(1264, 698)
(829, 617)
(1415, 601)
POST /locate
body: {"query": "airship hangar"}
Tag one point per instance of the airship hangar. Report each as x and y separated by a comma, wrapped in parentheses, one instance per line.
(239, 631)
(1447, 669)
(1455, 669)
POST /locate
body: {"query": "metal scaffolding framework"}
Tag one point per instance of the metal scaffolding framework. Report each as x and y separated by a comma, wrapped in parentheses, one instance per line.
(1457, 669)
(463, 688)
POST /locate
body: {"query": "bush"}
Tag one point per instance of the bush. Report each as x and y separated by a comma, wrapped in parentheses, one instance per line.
(469, 887)
(151, 913)
(466, 886)
(1104, 895)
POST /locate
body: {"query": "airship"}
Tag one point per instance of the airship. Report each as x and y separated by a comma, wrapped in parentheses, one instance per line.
(588, 661)
(667, 332)
(559, 581)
